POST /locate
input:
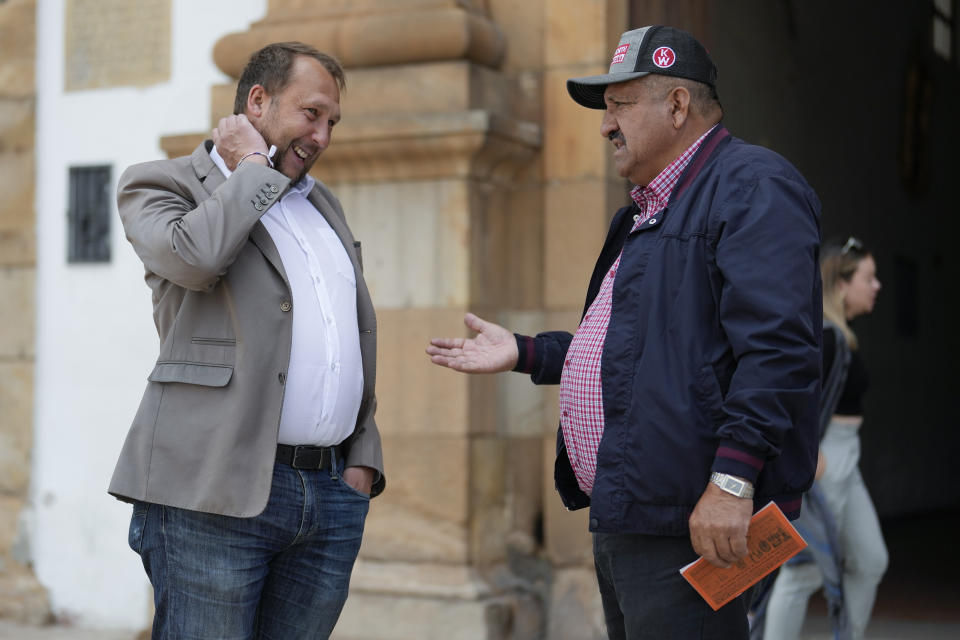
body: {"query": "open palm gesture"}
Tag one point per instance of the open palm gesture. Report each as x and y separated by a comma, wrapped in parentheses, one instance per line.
(493, 349)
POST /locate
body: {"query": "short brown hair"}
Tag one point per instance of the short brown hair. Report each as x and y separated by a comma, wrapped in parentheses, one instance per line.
(270, 68)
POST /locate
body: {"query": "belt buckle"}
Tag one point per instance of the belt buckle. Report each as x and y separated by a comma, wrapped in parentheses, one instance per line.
(297, 462)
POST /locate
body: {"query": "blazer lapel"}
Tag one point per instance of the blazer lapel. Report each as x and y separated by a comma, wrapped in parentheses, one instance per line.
(339, 226)
(261, 237)
(365, 311)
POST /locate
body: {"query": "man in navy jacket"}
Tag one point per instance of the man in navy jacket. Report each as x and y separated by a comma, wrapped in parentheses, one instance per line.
(689, 392)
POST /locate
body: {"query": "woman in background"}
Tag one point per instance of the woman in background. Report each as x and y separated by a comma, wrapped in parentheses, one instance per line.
(838, 506)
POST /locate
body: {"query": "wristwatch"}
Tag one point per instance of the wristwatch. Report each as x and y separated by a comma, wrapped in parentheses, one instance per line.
(732, 484)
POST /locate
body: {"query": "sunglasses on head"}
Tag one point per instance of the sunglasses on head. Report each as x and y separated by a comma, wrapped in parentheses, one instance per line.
(851, 243)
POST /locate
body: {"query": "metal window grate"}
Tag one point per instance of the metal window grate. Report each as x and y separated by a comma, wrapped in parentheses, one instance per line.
(88, 216)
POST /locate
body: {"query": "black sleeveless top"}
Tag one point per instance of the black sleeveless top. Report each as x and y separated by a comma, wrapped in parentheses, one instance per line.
(856, 384)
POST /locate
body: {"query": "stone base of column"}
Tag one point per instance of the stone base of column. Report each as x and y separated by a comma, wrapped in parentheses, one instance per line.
(393, 600)
(575, 610)
(22, 598)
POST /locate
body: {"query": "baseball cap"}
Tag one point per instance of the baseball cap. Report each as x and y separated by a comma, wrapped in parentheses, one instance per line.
(654, 49)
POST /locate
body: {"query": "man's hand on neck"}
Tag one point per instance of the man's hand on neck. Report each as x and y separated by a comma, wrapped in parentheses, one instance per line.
(235, 137)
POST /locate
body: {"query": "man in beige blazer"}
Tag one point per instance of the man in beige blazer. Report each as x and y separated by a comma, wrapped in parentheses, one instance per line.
(254, 453)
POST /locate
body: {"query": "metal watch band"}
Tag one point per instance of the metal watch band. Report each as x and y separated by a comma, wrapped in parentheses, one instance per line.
(732, 485)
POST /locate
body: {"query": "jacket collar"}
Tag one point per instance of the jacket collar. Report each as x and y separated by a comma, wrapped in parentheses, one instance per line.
(212, 177)
(207, 172)
(707, 147)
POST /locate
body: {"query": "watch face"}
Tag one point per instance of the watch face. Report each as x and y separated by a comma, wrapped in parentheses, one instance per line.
(734, 486)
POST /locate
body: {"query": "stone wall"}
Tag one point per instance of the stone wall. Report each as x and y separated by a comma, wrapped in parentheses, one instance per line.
(21, 596)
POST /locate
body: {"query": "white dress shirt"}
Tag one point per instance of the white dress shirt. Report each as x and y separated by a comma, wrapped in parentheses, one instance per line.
(324, 381)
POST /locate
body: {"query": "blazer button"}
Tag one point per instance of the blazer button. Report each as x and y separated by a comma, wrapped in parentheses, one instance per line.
(285, 306)
(274, 188)
(258, 206)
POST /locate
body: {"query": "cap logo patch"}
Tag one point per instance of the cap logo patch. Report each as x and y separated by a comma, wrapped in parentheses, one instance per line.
(620, 53)
(664, 57)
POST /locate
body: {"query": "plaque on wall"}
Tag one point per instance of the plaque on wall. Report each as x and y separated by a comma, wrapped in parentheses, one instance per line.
(113, 43)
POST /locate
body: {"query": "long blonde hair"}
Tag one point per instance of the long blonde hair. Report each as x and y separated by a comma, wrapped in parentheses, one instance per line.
(839, 261)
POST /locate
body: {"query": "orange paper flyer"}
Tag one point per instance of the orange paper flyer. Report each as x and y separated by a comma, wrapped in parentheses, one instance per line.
(771, 541)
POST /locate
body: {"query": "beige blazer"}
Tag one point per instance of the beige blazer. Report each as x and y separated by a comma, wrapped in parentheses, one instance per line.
(205, 435)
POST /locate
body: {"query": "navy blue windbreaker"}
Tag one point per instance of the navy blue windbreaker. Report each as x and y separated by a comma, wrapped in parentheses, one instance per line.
(712, 355)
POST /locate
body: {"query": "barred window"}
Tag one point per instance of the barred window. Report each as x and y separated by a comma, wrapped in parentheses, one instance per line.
(88, 216)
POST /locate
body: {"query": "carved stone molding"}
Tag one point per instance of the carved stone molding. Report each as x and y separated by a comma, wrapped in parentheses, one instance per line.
(470, 144)
(372, 33)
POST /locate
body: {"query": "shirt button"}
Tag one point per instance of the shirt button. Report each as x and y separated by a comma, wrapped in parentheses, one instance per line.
(334, 366)
(285, 306)
(594, 523)
(564, 414)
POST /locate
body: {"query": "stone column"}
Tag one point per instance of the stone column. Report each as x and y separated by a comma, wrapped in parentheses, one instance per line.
(581, 193)
(436, 162)
(437, 191)
(475, 183)
(22, 598)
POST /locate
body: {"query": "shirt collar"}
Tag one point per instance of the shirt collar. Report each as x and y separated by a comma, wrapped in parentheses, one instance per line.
(657, 193)
(303, 186)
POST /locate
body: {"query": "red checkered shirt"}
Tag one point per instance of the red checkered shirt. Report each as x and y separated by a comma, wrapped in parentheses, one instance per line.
(581, 389)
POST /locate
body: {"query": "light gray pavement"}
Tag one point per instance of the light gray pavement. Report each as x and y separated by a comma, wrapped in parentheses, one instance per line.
(817, 628)
(11, 631)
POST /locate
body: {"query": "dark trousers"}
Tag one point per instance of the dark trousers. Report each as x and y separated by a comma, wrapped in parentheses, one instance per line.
(645, 597)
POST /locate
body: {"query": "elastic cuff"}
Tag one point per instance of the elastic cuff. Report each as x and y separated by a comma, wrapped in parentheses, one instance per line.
(527, 360)
(737, 461)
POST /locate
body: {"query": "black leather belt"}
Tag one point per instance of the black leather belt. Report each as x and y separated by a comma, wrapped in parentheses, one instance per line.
(307, 457)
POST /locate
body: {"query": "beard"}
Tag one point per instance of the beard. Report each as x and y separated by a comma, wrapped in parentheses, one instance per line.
(286, 160)
(287, 164)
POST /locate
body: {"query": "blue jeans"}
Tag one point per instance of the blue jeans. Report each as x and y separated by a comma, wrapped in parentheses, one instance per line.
(645, 598)
(282, 575)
